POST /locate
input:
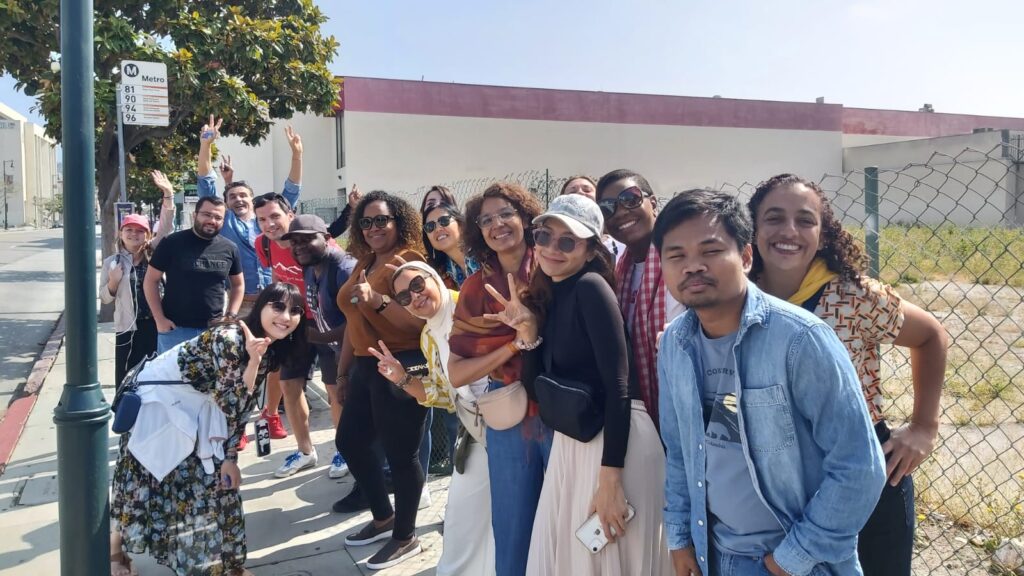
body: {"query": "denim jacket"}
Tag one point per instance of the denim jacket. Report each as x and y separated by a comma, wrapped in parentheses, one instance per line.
(804, 429)
(243, 233)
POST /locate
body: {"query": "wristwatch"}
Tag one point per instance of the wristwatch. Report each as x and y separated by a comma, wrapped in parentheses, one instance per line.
(384, 301)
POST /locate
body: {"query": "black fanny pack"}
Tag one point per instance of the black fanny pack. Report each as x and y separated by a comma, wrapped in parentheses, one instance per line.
(569, 407)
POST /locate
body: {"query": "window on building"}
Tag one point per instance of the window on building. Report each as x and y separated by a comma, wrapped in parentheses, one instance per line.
(339, 139)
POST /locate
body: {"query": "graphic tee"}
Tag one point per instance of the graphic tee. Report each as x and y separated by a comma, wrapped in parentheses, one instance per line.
(196, 271)
(740, 521)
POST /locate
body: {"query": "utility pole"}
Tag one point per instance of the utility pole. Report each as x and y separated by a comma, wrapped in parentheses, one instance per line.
(82, 414)
(7, 187)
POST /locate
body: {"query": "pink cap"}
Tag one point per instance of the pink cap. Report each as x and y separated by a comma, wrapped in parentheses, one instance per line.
(137, 220)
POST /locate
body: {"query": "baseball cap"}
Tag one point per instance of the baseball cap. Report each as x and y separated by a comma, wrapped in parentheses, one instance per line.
(306, 224)
(135, 220)
(581, 214)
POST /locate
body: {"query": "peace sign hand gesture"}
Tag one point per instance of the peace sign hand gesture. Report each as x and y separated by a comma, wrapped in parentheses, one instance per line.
(294, 140)
(211, 130)
(227, 171)
(515, 314)
(256, 347)
(388, 366)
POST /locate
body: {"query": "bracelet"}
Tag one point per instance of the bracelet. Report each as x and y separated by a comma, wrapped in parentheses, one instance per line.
(404, 382)
(512, 347)
(341, 378)
(527, 346)
(384, 301)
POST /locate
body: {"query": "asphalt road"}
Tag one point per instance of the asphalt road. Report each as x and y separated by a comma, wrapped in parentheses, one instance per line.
(31, 301)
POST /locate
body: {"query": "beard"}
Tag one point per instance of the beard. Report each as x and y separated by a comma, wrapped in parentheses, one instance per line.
(198, 229)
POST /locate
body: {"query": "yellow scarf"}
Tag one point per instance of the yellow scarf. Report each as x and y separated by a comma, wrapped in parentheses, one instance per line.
(817, 276)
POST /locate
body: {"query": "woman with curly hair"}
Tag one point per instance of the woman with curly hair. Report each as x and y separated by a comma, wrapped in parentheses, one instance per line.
(803, 255)
(386, 231)
(498, 234)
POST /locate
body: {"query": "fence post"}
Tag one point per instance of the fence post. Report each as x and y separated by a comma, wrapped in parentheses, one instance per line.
(547, 187)
(871, 229)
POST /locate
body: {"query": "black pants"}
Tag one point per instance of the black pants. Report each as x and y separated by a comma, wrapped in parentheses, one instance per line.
(377, 409)
(132, 346)
(886, 543)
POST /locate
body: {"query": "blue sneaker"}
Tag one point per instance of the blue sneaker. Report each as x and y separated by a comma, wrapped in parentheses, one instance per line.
(338, 468)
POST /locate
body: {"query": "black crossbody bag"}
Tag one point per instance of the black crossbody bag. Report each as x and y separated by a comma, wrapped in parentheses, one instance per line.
(568, 406)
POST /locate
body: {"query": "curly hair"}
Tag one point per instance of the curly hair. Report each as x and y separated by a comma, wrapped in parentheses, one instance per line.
(407, 221)
(524, 203)
(446, 196)
(839, 249)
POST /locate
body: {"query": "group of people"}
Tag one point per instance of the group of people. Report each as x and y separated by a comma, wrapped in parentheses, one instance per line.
(687, 389)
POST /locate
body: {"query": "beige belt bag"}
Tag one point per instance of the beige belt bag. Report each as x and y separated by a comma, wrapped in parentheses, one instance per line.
(503, 408)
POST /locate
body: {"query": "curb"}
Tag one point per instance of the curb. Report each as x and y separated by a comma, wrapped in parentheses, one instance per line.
(20, 408)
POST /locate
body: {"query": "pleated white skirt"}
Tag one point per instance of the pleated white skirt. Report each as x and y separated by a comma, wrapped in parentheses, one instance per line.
(569, 486)
(468, 538)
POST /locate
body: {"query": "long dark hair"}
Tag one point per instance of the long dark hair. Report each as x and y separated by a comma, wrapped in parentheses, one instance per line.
(446, 197)
(437, 259)
(525, 204)
(839, 249)
(539, 294)
(410, 229)
(281, 352)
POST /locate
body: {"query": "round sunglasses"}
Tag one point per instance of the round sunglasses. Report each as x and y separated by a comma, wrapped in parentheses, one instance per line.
(416, 286)
(630, 199)
(442, 222)
(378, 221)
(543, 237)
(279, 308)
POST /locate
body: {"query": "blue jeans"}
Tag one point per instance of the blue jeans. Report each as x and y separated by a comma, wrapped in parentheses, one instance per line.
(516, 460)
(167, 340)
(726, 564)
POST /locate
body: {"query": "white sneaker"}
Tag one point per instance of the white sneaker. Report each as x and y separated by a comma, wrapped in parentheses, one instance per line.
(425, 500)
(339, 467)
(295, 462)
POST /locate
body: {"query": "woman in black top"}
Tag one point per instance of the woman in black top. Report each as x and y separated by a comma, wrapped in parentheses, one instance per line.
(622, 468)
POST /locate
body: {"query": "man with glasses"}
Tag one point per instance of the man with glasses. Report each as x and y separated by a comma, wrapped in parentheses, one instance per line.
(629, 207)
(241, 226)
(197, 264)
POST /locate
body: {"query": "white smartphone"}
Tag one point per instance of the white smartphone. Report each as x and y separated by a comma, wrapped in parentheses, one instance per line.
(592, 535)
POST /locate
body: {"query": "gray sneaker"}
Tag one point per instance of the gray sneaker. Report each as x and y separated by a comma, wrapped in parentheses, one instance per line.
(394, 552)
(370, 533)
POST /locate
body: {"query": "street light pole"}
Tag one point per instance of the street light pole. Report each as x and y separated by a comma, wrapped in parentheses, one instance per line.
(82, 414)
(7, 188)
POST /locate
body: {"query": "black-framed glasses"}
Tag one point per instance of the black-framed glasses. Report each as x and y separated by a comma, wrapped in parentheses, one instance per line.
(378, 221)
(211, 216)
(630, 199)
(262, 200)
(443, 222)
(501, 216)
(543, 237)
(416, 286)
(280, 307)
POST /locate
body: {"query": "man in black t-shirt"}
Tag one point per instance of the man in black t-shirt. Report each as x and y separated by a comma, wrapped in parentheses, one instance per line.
(196, 263)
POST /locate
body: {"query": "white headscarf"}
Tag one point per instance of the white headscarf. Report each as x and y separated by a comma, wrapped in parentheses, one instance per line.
(440, 325)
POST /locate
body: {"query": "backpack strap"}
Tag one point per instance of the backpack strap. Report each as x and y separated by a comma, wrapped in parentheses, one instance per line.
(265, 247)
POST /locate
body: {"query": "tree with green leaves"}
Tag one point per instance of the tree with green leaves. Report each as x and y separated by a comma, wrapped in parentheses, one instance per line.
(249, 61)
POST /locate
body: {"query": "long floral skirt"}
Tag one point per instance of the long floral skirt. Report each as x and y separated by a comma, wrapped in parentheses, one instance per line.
(186, 522)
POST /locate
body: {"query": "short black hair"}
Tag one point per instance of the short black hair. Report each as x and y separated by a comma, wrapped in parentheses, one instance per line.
(204, 200)
(621, 174)
(721, 206)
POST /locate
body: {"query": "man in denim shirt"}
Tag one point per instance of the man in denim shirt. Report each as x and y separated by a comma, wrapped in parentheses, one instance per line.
(772, 463)
(241, 226)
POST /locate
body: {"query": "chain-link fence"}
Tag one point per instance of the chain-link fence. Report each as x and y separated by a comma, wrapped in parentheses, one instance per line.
(947, 233)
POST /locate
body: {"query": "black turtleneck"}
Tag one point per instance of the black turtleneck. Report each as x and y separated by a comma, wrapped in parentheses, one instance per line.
(587, 338)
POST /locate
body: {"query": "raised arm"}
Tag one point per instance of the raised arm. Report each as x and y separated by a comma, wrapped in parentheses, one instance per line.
(206, 180)
(167, 209)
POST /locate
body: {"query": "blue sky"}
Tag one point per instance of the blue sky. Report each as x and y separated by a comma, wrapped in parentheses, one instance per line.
(959, 57)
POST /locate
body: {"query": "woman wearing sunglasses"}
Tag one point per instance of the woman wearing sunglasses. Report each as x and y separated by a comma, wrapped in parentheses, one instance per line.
(442, 236)
(387, 231)
(468, 539)
(585, 186)
(190, 519)
(606, 458)
(497, 233)
(629, 208)
(803, 254)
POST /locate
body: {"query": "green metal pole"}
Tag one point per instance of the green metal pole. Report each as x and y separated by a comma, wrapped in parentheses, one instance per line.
(871, 228)
(82, 414)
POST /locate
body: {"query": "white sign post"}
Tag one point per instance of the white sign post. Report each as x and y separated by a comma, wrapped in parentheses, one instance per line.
(141, 101)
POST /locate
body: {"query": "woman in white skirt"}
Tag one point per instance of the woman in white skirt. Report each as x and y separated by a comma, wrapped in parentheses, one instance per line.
(606, 458)
(468, 538)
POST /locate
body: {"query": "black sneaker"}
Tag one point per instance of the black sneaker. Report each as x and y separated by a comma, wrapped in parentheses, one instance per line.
(355, 502)
(394, 552)
(370, 533)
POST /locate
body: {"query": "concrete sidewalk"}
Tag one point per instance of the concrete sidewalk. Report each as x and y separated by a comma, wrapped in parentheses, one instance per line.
(291, 529)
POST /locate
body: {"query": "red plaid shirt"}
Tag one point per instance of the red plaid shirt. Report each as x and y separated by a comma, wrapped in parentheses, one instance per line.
(648, 320)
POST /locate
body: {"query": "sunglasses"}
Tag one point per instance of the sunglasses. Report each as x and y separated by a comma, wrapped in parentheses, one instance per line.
(418, 284)
(263, 199)
(630, 199)
(543, 238)
(491, 219)
(280, 307)
(378, 221)
(441, 222)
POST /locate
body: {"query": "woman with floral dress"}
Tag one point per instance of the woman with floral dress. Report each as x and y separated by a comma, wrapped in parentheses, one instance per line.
(190, 520)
